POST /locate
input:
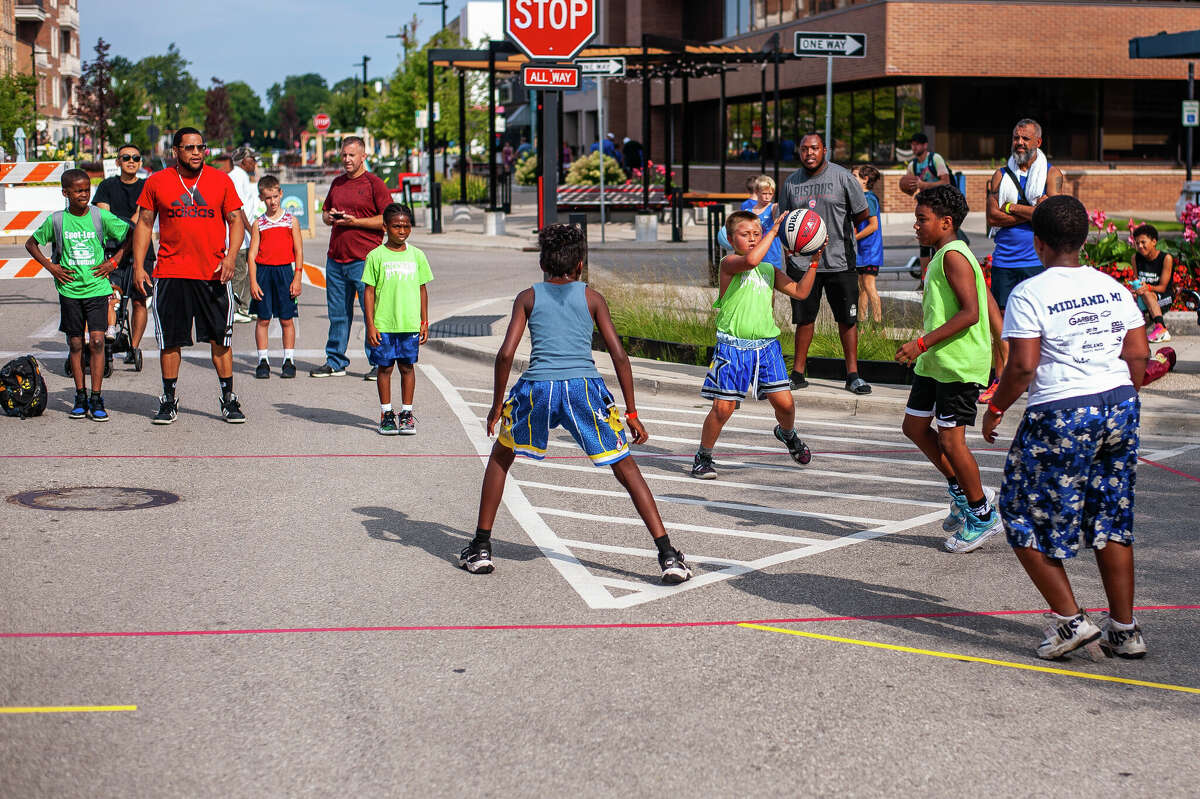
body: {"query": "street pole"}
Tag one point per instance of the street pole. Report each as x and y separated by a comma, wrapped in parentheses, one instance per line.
(829, 101)
(1190, 131)
(550, 154)
(366, 58)
(600, 141)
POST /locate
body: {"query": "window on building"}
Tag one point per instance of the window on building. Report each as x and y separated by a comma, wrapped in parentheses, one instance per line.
(53, 42)
(66, 42)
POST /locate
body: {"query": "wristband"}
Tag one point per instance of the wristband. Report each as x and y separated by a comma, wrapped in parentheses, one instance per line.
(631, 415)
(921, 345)
(993, 409)
(1008, 208)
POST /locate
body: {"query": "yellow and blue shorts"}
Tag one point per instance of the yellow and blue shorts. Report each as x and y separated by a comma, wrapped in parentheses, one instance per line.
(582, 406)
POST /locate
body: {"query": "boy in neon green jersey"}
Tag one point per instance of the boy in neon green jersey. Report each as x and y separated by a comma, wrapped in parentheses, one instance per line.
(747, 352)
(953, 360)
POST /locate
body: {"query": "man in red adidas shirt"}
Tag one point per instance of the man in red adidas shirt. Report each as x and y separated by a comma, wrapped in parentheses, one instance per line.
(194, 203)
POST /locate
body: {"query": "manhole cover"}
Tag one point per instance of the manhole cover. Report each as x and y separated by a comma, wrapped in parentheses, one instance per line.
(94, 498)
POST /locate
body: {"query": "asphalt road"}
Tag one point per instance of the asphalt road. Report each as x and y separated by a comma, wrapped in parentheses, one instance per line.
(295, 624)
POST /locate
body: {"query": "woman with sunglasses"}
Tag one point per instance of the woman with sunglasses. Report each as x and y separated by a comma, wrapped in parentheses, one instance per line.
(119, 195)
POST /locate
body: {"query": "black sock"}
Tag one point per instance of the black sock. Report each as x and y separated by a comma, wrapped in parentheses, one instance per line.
(663, 544)
(953, 483)
(705, 454)
(788, 433)
(482, 537)
(1158, 320)
(226, 385)
(851, 377)
(95, 393)
(979, 508)
(169, 386)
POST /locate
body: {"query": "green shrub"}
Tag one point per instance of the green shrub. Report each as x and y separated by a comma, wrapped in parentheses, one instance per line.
(526, 173)
(586, 171)
(477, 189)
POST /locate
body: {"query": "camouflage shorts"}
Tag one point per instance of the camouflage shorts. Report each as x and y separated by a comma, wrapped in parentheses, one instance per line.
(1069, 478)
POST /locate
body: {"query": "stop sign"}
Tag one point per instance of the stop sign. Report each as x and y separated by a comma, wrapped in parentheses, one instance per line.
(550, 29)
(321, 122)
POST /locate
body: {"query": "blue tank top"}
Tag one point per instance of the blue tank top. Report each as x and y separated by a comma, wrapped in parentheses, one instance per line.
(1014, 245)
(560, 332)
(870, 249)
(774, 255)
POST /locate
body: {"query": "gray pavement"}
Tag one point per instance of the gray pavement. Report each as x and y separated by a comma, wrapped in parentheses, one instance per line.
(295, 623)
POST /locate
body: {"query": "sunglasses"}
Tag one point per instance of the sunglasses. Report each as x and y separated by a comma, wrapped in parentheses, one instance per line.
(193, 148)
(129, 158)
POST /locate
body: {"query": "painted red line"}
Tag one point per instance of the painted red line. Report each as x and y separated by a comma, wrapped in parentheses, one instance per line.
(1164, 467)
(256, 456)
(535, 627)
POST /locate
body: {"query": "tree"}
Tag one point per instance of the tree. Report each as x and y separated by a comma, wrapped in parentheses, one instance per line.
(218, 121)
(346, 104)
(249, 119)
(289, 122)
(309, 94)
(94, 98)
(130, 116)
(166, 81)
(18, 94)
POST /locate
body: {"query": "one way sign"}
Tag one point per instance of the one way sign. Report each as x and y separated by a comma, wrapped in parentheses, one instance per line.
(604, 67)
(838, 45)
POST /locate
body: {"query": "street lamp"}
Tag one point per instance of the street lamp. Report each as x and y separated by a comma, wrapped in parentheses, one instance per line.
(441, 3)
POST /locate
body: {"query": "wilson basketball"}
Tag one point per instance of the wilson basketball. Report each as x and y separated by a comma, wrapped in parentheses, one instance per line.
(803, 231)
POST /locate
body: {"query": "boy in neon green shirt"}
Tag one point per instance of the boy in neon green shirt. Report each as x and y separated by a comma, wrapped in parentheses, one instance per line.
(397, 306)
(81, 277)
(952, 360)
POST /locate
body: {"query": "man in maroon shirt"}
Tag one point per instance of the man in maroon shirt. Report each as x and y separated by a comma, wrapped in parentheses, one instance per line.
(354, 209)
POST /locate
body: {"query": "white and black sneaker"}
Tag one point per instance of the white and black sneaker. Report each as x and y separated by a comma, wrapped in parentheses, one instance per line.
(674, 568)
(168, 410)
(476, 558)
(702, 467)
(796, 448)
(231, 409)
(1122, 643)
(1066, 634)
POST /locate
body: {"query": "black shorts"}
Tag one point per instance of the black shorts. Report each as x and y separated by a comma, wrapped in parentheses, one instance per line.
(841, 291)
(867, 270)
(951, 404)
(122, 276)
(180, 301)
(76, 311)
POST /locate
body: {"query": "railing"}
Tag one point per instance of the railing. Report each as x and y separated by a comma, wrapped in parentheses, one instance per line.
(69, 66)
(68, 17)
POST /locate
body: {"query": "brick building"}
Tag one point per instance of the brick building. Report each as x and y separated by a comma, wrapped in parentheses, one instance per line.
(47, 33)
(961, 70)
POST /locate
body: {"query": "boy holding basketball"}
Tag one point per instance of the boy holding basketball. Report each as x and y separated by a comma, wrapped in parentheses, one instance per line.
(747, 353)
(953, 359)
(561, 388)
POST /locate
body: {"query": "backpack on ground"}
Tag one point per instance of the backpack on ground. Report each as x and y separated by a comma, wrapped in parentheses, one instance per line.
(22, 388)
(56, 223)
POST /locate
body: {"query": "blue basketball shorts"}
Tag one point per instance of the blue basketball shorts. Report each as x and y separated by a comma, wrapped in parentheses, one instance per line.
(276, 285)
(394, 348)
(740, 364)
(582, 406)
(1069, 477)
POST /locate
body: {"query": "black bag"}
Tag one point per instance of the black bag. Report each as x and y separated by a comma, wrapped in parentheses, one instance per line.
(22, 388)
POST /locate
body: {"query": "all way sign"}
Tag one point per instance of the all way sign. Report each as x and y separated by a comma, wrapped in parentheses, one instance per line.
(553, 77)
(604, 67)
(838, 45)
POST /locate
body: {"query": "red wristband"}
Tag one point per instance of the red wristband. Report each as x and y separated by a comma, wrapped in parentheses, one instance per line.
(921, 345)
(992, 407)
(631, 415)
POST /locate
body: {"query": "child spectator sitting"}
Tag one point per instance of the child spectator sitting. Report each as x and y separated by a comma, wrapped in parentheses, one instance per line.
(1155, 284)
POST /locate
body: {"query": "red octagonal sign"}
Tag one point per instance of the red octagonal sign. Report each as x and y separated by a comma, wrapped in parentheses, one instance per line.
(321, 122)
(550, 29)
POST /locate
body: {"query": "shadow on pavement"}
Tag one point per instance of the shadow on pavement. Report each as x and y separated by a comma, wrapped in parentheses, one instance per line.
(327, 416)
(439, 540)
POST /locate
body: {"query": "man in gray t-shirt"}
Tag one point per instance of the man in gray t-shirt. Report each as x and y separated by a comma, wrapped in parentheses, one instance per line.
(838, 197)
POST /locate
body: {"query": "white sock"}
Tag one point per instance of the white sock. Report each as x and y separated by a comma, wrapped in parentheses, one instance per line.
(1121, 626)
(1066, 618)
(385, 408)
(262, 354)
(288, 354)
(406, 408)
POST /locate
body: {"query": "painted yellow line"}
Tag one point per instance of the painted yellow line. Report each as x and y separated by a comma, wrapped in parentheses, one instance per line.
(971, 659)
(70, 709)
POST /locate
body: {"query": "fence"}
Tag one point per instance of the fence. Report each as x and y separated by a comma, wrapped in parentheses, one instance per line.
(25, 222)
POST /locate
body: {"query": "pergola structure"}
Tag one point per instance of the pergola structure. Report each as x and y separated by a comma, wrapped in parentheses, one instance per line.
(658, 58)
(1172, 45)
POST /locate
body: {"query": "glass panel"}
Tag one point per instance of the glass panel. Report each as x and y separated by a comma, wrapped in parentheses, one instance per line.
(908, 114)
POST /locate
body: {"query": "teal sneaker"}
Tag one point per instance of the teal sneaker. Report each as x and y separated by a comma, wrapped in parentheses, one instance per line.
(975, 531)
(958, 509)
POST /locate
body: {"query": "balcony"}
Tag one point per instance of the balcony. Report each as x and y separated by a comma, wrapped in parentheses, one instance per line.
(68, 65)
(41, 58)
(68, 17)
(32, 11)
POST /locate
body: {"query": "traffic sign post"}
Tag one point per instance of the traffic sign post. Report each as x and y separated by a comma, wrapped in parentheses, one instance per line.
(831, 46)
(321, 122)
(549, 30)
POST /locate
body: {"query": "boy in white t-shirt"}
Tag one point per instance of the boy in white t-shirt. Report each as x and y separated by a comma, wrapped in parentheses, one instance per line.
(1077, 335)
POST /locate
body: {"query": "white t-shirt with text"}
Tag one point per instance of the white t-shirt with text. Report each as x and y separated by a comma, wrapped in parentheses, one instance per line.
(1082, 317)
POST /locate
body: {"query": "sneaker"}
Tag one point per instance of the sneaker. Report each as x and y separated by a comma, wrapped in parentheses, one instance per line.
(796, 448)
(975, 531)
(797, 381)
(81, 405)
(263, 370)
(387, 424)
(288, 370)
(1066, 635)
(702, 468)
(130, 357)
(674, 568)
(988, 392)
(231, 409)
(858, 386)
(238, 316)
(407, 423)
(168, 409)
(1122, 643)
(110, 333)
(96, 409)
(372, 375)
(958, 509)
(1158, 333)
(476, 558)
(327, 371)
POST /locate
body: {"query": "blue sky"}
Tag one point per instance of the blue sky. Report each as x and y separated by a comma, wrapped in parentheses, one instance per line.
(260, 42)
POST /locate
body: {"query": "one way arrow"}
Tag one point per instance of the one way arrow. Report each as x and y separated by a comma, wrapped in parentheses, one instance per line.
(602, 66)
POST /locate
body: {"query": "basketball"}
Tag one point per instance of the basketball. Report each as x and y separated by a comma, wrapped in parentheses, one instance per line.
(909, 184)
(803, 231)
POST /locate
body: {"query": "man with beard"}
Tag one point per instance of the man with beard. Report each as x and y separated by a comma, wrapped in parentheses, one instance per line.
(197, 208)
(838, 197)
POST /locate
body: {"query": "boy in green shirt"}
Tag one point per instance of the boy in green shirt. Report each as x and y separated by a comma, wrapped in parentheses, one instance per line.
(953, 360)
(81, 276)
(747, 352)
(397, 309)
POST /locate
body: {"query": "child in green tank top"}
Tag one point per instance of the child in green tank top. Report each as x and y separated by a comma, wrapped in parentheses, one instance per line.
(747, 354)
(952, 361)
